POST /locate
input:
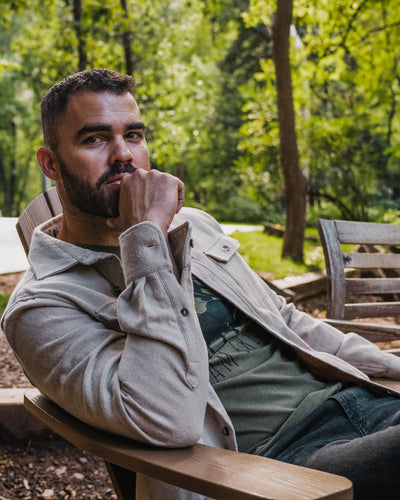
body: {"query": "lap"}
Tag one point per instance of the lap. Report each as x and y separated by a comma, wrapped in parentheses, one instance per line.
(355, 434)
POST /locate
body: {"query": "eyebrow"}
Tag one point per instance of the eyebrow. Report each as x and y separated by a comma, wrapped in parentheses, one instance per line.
(94, 127)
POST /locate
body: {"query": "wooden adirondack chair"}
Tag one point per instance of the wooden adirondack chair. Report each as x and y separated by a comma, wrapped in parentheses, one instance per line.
(210, 471)
(377, 244)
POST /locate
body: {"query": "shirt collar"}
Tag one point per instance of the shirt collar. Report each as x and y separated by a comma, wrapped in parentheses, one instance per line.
(49, 256)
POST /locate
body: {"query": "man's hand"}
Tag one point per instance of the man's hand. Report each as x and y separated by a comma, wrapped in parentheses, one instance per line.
(148, 195)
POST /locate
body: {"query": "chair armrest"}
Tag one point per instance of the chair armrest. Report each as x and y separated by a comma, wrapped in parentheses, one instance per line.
(375, 332)
(210, 471)
(387, 382)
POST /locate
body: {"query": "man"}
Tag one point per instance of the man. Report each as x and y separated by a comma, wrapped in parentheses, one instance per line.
(141, 318)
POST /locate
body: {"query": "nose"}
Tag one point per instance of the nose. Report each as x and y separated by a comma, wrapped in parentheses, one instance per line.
(120, 152)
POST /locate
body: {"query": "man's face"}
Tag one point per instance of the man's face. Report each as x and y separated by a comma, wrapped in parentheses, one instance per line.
(101, 139)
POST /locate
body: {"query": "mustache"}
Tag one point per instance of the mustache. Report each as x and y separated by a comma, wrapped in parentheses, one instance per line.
(115, 170)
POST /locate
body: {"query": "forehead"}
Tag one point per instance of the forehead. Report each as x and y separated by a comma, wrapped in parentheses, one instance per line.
(100, 108)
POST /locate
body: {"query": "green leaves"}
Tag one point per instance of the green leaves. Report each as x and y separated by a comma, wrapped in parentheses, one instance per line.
(206, 86)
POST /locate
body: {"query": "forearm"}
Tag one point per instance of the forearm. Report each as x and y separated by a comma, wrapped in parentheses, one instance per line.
(137, 365)
(349, 347)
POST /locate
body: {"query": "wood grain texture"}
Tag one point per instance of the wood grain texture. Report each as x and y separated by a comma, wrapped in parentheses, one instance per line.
(210, 471)
(41, 209)
(370, 233)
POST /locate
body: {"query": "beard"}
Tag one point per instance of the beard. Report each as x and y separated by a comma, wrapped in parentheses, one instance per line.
(93, 199)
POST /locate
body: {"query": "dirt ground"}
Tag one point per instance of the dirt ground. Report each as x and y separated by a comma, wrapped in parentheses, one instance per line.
(47, 467)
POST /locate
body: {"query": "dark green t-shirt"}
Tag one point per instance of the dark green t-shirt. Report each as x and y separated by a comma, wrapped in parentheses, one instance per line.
(262, 384)
(116, 250)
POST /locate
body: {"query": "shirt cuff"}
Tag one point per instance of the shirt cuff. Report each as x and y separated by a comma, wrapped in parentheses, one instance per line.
(143, 251)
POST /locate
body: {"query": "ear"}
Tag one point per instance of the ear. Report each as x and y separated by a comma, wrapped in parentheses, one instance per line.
(49, 163)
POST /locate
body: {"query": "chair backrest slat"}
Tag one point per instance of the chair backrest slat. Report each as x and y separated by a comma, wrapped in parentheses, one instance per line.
(372, 285)
(370, 233)
(378, 265)
(371, 260)
(42, 208)
(372, 310)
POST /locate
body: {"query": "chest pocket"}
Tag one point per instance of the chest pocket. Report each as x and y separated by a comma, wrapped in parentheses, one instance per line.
(223, 248)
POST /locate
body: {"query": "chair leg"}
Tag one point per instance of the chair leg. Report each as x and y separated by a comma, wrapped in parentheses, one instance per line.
(123, 480)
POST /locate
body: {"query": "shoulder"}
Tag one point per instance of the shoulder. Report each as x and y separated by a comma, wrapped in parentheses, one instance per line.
(200, 220)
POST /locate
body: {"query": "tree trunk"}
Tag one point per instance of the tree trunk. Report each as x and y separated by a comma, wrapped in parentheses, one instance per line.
(295, 185)
(82, 56)
(126, 42)
(6, 189)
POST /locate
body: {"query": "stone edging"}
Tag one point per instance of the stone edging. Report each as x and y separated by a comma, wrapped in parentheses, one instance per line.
(14, 418)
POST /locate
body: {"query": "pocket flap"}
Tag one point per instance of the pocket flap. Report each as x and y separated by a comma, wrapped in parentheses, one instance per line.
(223, 248)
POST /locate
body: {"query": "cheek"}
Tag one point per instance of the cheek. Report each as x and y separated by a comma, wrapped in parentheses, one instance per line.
(90, 165)
(142, 155)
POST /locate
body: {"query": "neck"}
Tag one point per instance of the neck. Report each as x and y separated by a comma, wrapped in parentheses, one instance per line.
(84, 229)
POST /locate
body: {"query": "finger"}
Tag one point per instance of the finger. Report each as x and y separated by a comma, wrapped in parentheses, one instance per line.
(181, 195)
(112, 222)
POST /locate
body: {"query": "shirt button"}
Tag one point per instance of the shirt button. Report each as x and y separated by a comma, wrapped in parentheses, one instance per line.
(184, 311)
(226, 248)
(225, 431)
(191, 243)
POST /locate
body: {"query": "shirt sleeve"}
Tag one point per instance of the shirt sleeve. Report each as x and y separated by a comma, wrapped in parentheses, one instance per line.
(349, 347)
(146, 379)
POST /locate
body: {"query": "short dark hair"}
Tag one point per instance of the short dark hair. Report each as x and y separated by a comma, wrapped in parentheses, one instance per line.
(56, 100)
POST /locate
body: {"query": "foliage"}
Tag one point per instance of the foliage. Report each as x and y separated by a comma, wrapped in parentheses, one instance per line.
(346, 90)
(206, 86)
(4, 298)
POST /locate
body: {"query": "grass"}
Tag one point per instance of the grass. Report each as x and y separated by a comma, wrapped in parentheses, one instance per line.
(263, 253)
(4, 298)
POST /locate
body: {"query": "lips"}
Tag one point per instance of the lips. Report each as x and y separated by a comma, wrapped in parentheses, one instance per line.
(114, 175)
(115, 180)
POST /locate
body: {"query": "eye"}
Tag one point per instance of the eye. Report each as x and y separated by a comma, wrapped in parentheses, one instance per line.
(92, 139)
(134, 135)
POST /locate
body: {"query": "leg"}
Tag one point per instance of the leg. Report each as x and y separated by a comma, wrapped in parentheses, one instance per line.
(370, 462)
(354, 434)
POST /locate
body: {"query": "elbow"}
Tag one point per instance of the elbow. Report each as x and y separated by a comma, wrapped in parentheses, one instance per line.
(171, 432)
(169, 425)
(179, 440)
(185, 434)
